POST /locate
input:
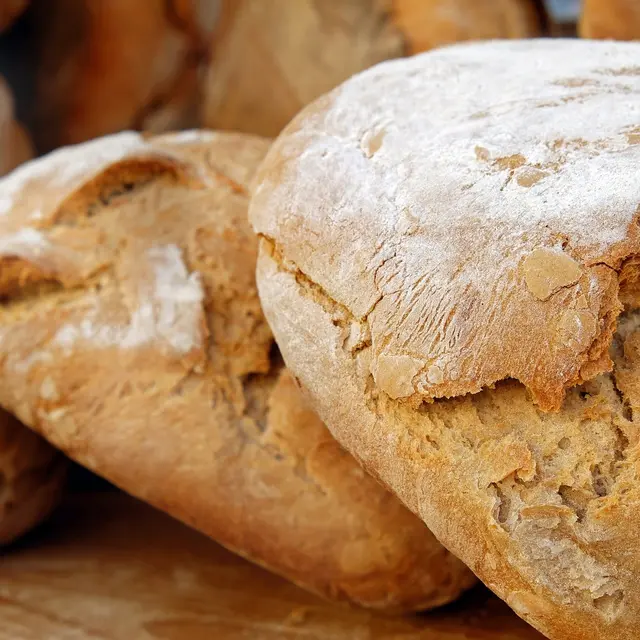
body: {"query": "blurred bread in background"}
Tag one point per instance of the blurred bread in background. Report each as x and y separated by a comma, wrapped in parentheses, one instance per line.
(270, 59)
(108, 65)
(610, 19)
(15, 143)
(426, 24)
(103, 66)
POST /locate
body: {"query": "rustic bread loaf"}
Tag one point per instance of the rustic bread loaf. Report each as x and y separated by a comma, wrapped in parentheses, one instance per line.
(610, 19)
(450, 225)
(108, 65)
(132, 338)
(269, 59)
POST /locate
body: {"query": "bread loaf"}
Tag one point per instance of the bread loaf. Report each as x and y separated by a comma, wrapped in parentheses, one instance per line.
(610, 19)
(447, 244)
(132, 338)
(269, 59)
(108, 65)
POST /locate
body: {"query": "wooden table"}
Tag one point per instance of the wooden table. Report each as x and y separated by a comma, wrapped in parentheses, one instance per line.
(110, 568)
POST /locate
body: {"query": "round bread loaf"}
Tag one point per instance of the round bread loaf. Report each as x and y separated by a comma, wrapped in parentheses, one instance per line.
(447, 244)
(610, 19)
(132, 338)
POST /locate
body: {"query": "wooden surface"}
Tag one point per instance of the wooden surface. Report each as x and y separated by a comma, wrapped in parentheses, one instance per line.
(110, 568)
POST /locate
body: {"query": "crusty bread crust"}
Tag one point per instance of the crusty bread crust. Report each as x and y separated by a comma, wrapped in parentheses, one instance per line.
(435, 221)
(610, 19)
(466, 198)
(133, 339)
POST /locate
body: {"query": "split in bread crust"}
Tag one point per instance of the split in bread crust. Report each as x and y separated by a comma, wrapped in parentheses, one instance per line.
(437, 227)
(477, 211)
(133, 339)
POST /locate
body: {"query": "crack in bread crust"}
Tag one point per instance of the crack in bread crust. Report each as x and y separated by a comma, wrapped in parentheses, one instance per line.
(431, 210)
(540, 505)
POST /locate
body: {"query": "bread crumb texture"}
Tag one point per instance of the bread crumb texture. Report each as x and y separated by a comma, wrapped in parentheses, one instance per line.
(132, 337)
(477, 208)
(485, 251)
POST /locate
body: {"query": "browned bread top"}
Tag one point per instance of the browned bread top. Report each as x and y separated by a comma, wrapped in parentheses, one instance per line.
(32, 475)
(452, 203)
(132, 337)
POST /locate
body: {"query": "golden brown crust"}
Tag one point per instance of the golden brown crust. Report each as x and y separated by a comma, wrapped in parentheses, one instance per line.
(610, 19)
(427, 24)
(32, 475)
(396, 229)
(109, 65)
(133, 339)
(541, 506)
(432, 203)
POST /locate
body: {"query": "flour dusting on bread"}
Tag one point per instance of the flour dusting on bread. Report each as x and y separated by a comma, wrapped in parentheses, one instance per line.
(434, 181)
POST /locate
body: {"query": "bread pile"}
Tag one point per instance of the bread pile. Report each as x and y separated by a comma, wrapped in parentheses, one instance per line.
(395, 348)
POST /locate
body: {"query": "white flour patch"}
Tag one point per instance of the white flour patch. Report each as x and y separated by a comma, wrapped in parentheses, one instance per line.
(170, 310)
(25, 243)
